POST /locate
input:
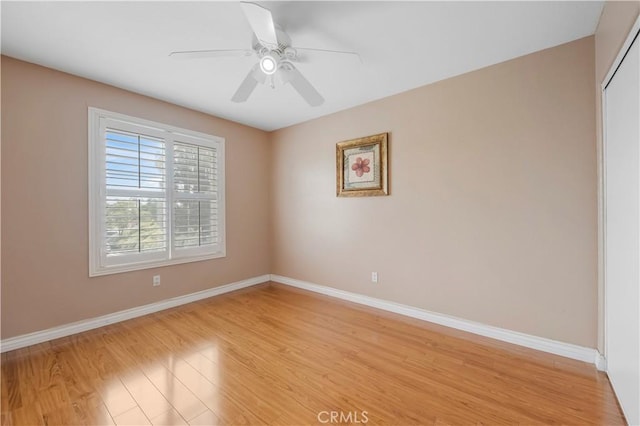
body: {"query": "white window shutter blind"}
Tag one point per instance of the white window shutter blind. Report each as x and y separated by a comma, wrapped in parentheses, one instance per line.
(135, 220)
(156, 194)
(134, 161)
(195, 210)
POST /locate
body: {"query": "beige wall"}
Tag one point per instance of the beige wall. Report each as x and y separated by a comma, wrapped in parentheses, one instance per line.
(45, 279)
(492, 213)
(616, 21)
(491, 217)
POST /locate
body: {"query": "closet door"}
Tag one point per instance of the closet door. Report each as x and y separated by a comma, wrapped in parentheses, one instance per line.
(621, 98)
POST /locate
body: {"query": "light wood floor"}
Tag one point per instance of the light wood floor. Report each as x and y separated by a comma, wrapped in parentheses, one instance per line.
(274, 355)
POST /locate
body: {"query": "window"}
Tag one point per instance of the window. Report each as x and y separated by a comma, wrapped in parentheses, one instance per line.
(156, 194)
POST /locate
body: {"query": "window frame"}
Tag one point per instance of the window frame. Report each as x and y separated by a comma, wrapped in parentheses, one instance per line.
(99, 264)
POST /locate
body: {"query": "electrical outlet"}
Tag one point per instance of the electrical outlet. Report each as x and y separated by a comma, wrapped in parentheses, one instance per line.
(156, 280)
(374, 277)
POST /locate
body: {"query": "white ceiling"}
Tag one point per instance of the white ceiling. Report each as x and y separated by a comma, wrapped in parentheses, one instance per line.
(403, 45)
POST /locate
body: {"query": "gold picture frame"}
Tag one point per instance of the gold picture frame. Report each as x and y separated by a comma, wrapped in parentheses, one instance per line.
(361, 167)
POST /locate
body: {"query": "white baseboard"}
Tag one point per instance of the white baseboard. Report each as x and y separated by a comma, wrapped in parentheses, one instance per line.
(539, 343)
(89, 324)
(567, 350)
(601, 362)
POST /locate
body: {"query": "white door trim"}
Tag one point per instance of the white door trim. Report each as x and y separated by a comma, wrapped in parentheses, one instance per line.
(602, 196)
(623, 52)
(632, 37)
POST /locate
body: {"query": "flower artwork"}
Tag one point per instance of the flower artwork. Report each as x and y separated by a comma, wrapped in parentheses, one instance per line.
(362, 166)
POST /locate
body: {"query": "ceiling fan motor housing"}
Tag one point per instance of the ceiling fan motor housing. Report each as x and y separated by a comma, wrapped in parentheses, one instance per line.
(283, 49)
(272, 59)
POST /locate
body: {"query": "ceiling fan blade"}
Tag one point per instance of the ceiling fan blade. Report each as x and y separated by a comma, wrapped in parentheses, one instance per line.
(291, 75)
(214, 53)
(339, 52)
(249, 84)
(261, 23)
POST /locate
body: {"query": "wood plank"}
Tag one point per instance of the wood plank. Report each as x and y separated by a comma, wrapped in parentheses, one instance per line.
(169, 418)
(64, 415)
(132, 417)
(27, 415)
(5, 419)
(116, 397)
(90, 410)
(178, 395)
(149, 399)
(205, 419)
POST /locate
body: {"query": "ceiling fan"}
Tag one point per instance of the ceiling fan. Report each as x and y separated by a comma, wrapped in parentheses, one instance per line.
(275, 54)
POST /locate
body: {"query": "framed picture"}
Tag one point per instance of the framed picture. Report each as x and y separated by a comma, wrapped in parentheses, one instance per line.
(361, 167)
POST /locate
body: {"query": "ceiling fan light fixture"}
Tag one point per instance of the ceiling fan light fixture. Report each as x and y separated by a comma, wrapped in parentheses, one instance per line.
(268, 64)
